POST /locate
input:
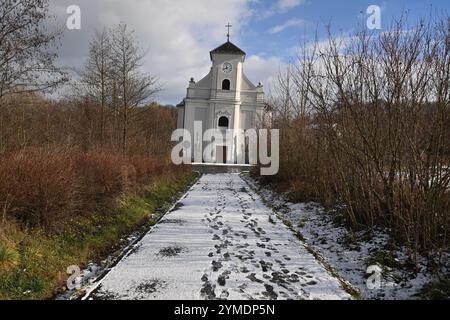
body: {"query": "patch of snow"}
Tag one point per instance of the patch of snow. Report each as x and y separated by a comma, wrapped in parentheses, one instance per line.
(350, 254)
(219, 242)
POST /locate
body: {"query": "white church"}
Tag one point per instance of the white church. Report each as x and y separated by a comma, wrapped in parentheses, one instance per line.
(223, 99)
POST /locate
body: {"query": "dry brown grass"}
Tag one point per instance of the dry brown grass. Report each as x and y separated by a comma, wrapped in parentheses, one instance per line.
(44, 186)
(38, 186)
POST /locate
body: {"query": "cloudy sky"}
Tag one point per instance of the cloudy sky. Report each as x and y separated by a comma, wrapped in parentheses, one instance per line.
(179, 34)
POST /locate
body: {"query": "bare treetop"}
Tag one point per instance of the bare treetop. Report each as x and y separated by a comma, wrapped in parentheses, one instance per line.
(27, 48)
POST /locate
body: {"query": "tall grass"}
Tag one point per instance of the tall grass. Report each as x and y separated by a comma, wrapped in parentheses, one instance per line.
(41, 187)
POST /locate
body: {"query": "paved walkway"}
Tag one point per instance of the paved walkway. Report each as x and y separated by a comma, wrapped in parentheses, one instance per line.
(219, 242)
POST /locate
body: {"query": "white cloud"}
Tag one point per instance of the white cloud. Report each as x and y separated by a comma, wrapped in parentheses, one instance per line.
(280, 6)
(264, 70)
(289, 4)
(341, 42)
(288, 24)
(178, 34)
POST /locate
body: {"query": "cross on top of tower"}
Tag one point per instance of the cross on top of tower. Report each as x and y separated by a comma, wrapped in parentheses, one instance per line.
(228, 34)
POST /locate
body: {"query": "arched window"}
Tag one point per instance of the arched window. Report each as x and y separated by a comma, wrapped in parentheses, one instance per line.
(223, 122)
(226, 84)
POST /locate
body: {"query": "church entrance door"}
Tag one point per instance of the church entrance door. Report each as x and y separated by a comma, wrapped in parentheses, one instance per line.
(221, 154)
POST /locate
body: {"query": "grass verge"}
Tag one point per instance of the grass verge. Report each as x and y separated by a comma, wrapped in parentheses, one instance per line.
(33, 263)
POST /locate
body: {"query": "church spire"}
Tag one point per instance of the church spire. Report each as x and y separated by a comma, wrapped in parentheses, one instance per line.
(228, 34)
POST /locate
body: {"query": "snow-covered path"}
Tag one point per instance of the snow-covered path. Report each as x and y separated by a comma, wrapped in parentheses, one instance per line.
(220, 241)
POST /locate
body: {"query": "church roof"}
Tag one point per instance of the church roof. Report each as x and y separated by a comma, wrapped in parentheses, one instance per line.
(228, 48)
(181, 104)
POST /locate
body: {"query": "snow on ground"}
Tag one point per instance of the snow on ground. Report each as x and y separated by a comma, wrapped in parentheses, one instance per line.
(219, 242)
(351, 254)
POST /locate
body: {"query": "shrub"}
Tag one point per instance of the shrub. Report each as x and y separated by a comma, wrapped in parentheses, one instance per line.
(44, 186)
(38, 186)
(355, 133)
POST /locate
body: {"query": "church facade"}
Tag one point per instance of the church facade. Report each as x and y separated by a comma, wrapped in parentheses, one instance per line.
(223, 99)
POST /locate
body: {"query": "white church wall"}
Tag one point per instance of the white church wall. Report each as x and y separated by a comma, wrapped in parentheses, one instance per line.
(207, 102)
(247, 84)
(248, 119)
(199, 93)
(206, 81)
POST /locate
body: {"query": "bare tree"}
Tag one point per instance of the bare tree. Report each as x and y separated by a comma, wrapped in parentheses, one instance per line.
(96, 76)
(27, 48)
(132, 87)
(376, 133)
